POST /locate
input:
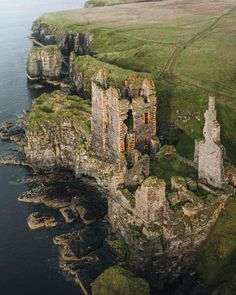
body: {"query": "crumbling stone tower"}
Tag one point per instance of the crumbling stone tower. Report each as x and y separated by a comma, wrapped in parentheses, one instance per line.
(123, 118)
(208, 151)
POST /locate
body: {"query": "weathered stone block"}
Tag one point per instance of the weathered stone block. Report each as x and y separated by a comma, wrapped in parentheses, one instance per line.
(150, 200)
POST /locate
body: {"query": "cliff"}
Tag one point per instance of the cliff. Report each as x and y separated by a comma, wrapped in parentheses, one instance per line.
(59, 135)
(83, 68)
(44, 63)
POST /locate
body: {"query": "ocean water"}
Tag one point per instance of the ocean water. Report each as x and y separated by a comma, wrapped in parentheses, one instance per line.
(28, 259)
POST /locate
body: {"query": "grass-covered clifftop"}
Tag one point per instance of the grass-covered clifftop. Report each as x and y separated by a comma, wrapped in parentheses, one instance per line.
(115, 75)
(188, 48)
(56, 106)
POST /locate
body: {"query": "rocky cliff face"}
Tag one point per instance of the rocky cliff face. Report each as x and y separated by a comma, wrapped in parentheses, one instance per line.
(51, 35)
(59, 134)
(44, 63)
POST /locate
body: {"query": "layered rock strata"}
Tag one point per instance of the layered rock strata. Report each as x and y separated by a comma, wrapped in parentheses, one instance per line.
(44, 63)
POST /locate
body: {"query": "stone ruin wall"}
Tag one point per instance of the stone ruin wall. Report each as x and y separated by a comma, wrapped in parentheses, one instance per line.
(209, 153)
(110, 111)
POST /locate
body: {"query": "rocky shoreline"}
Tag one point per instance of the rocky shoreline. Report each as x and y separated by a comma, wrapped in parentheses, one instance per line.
(84, 252)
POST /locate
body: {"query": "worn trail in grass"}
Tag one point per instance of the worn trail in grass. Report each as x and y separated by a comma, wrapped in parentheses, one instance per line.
(171, 63)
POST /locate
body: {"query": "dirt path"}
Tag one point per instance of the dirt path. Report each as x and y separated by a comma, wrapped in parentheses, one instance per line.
(170, 66)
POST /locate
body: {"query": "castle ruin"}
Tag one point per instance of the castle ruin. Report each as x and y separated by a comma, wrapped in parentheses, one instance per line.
(209, 151)
(123, 119)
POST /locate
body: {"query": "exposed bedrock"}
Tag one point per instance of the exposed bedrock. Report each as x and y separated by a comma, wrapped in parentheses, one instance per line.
(50, 35)
(44, 63)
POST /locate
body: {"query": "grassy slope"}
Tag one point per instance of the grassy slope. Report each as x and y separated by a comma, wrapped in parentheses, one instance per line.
(165, 166)
(187, 48)
(217, 259)
(116, 280)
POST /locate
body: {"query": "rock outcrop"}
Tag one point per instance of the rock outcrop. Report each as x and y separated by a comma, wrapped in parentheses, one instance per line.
(80, 43)
(35, 221)
(44, 63)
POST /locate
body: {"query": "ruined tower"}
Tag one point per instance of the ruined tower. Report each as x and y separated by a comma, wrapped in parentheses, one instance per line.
(208, 151)
(123, 119)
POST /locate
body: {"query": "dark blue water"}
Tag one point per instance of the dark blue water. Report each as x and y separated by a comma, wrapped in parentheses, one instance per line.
(28, 260)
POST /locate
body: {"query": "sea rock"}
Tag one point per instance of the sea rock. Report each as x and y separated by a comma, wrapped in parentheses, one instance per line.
(79, 244)
(65, 239)
(35, 221)
(88, 268)
(9, 132)
(54, 203)
(68, 215)
(86, 209)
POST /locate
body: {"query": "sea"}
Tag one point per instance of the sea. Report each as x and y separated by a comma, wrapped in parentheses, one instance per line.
(28, 259)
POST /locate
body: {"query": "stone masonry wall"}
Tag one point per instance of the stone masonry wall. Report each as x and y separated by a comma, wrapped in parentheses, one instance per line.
(122, 124)
(209, 152)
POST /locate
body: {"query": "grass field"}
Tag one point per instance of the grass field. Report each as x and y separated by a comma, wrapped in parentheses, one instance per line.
(187, 46)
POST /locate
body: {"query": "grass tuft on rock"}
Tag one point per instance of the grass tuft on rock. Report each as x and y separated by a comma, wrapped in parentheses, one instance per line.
(57, 106)
(117, 280)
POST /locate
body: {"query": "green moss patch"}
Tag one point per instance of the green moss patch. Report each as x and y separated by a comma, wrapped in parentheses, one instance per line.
(129, 196)
(56, 106)
(121, 248)
(119, 281)
(165, 166)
